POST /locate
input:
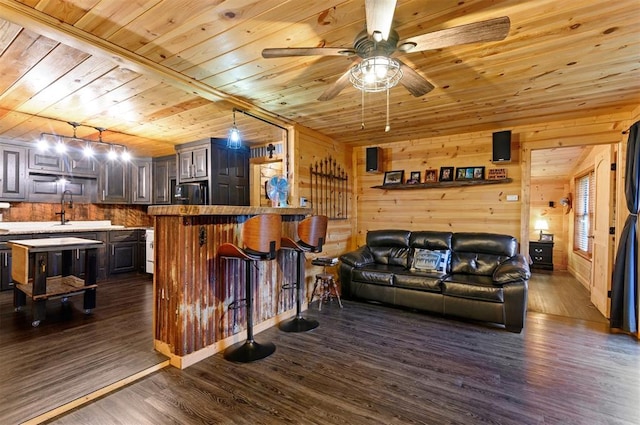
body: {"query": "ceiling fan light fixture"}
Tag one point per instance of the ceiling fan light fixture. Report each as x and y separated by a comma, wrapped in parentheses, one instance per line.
(407, 46)
(375, 74)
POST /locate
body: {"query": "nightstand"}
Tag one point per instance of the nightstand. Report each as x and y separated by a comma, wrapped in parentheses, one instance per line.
(541, 254)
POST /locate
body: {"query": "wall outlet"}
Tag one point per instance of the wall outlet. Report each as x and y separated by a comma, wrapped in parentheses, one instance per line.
(303, 201)
(512, 198)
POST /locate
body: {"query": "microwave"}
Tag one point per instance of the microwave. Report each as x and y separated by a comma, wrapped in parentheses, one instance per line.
(191, 194)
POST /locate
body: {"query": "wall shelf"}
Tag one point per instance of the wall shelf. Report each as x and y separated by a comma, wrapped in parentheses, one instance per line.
(441, 185)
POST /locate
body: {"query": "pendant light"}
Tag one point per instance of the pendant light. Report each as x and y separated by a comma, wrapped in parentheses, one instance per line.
(234, 141)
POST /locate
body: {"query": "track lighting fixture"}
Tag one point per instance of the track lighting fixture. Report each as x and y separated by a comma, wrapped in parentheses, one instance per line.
(88, 147)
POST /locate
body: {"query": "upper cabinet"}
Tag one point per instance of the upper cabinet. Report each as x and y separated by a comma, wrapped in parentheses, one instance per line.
(194, 161)
(164, 179)
(113, 182)
(141, 181)
(72, 163)
(13, 172)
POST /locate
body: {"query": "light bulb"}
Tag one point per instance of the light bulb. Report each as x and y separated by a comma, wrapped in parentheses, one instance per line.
(43, 145)
(112, 154)
(126, 156)
(88, 151)
(61, 147)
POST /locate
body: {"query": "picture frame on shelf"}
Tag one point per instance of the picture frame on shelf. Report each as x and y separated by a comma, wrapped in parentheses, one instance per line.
(496, 173)
(431, 176)
(393, 177)
(546, 237)
(470, 173)
(414, 177)
(446, 174)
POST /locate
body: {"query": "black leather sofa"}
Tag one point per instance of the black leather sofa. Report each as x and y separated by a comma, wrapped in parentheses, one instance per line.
(479, 276)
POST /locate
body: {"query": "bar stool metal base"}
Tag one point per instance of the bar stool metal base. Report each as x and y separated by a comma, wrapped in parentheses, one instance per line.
(249, 351)
(299, 324)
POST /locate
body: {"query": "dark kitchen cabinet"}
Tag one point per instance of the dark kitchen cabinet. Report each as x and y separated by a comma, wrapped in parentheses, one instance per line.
(164, 173)
(113, 182)
(141, 180)
(229, 175)
(13, 172)
(123, 251)
(193, 161)
(72, 163)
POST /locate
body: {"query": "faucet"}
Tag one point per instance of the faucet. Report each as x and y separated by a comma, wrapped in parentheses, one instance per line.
(63, 220)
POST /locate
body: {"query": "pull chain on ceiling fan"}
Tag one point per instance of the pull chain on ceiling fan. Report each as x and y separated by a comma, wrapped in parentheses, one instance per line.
(375, 69)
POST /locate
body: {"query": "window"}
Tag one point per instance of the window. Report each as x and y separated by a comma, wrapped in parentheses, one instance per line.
(584, 205)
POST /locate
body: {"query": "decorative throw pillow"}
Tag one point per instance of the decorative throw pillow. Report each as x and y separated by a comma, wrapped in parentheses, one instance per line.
(430, 261)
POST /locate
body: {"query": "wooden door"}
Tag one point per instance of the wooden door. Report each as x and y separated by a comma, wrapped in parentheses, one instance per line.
(602, 256)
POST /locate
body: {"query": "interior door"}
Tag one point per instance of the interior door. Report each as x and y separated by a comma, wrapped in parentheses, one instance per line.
(602, 257)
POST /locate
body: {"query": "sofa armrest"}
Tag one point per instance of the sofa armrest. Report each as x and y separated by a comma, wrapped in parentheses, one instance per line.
(514, 269)
(358, 258)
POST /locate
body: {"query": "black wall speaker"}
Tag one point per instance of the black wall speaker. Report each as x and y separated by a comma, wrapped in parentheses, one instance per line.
(502, 146)
(374, 160)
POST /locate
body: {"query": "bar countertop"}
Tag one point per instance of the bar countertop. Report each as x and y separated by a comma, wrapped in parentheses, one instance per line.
(198, 210)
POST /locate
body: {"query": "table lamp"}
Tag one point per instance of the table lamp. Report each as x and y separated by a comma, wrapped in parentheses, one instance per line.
(541, 225)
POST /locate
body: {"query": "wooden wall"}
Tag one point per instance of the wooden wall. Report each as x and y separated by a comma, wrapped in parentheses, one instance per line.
(481, 208)
(310, 147)
(469, 208)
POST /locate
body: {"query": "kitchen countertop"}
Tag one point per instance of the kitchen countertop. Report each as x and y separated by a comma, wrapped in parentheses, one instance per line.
(35, 227)
(197, 210)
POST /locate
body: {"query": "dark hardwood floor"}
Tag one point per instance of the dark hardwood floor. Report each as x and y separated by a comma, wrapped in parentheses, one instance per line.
(365, 364)
(72, 354)
(559, 293)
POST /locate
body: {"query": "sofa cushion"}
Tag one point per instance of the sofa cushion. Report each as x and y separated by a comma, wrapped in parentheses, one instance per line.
(389, 246)
(424, 281)
(390, 255)
(475, 264)
(472, 287)
(480, 253)
(430, 240)
(513, 269)
(380, 274)
(430, 260)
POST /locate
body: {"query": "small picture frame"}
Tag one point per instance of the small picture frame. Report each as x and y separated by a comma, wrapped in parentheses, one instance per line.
(470, 173)
(446, 174)
(497, 174)
(431, 176)
(414, 177)
(546, 237)
(393, 177)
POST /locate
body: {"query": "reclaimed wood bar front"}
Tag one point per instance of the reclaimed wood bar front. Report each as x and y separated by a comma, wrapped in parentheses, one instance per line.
(193, 288)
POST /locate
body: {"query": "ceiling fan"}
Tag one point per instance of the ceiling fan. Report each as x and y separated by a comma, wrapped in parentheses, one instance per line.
(375, 45)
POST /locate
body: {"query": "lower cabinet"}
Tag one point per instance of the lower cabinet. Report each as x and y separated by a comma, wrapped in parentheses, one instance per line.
(125, 254)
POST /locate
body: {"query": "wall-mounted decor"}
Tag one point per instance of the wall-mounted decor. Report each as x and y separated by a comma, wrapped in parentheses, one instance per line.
(393, 177)
(329, 189)
(431, 176)
(470, 173)
(446, 174)
(497, 173)
(414, 177)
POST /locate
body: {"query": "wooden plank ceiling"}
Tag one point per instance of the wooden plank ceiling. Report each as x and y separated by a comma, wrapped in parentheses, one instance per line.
(156, 73)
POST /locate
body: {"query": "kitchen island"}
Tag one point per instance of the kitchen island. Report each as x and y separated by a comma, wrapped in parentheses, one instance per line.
(193, 288)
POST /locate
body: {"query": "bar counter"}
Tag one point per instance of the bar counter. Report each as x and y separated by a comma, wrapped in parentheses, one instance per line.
(193, 288)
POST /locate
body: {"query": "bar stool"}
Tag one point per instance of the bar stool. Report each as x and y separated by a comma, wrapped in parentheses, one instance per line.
(312, 232)
(261, 240)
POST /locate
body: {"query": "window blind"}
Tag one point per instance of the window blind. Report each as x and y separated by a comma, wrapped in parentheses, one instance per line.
(584, 210)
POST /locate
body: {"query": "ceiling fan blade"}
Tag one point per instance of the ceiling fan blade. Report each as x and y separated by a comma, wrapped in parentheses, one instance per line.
(307, 51)
(336, 87)
(490, 30)
(379, 14)
(414, 82)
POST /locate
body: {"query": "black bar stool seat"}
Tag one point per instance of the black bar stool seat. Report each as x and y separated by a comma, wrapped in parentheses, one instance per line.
(261, 236)
(312, 232)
